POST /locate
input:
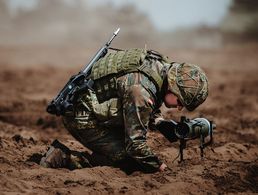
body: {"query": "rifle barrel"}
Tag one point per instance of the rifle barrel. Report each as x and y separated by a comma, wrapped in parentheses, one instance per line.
(100, 53)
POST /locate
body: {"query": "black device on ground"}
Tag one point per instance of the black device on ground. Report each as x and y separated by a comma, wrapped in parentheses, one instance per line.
(196, 128)
(187, 129)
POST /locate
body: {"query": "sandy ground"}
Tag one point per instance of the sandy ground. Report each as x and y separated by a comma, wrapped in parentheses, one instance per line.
(26, 131)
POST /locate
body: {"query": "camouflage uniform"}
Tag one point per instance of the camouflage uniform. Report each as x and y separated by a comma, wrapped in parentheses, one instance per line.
(117, 128)
(113, 120)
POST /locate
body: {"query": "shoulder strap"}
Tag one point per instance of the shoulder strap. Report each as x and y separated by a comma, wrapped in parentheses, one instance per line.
(156, 55)
(153, 75)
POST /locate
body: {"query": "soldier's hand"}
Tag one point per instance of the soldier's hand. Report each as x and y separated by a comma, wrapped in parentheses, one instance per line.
(162, 167)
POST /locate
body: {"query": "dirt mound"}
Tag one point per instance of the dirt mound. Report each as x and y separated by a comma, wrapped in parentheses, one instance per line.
(26, 131)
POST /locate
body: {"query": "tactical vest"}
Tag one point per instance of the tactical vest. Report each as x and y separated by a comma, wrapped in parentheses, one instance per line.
(106, 71)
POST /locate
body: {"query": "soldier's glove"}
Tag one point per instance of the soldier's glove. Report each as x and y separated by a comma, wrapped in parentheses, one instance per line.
(167, 128)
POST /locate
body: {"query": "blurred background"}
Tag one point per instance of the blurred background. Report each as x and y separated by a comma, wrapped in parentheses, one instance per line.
(44, 42)
(68, 32)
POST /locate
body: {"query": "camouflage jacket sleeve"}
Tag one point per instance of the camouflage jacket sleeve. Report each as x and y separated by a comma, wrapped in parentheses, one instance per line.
(137, 107)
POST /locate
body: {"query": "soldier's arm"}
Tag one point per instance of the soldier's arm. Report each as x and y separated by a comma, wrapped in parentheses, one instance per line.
(137, 107)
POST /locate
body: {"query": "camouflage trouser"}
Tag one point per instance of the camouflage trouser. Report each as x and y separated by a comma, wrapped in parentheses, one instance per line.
(100, 135)
(117, 128)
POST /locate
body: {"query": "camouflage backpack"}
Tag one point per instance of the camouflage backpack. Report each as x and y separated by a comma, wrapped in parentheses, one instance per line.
(108, 69)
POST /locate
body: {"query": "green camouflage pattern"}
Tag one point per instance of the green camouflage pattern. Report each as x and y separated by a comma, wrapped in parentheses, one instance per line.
(117, 128)
(116, 62)
(189, 83)
(106, 71)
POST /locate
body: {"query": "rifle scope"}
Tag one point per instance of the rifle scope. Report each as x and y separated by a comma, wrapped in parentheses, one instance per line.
(190, 129)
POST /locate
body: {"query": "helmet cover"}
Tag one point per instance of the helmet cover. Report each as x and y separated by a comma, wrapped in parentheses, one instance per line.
(189, 83)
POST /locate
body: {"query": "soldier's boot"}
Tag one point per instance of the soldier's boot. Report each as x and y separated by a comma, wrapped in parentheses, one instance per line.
(78, 160)
(57, 156)
(60, 156)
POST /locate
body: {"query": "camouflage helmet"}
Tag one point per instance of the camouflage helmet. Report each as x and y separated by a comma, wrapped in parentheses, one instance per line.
(189, 83)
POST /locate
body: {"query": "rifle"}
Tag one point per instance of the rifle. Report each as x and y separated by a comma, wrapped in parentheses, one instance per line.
(186, 130)
(63, 102)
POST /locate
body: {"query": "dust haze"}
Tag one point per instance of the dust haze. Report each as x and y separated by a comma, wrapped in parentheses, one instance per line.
(71, 28)
(55, 23)
(77, 30)
(41, 48)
